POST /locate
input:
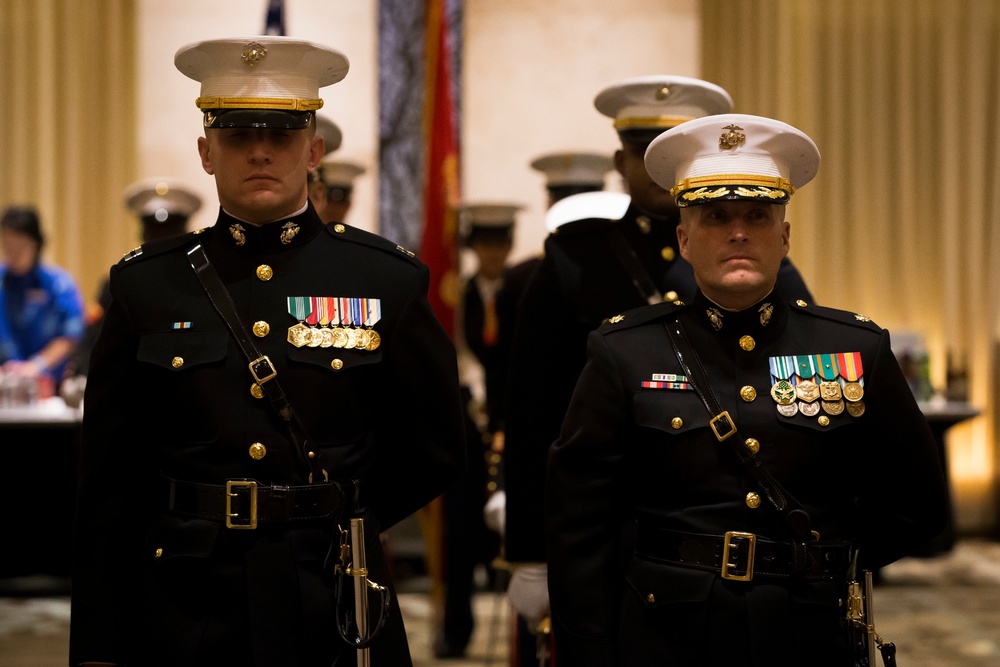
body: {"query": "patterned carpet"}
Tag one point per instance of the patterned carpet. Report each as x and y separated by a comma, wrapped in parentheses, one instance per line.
(940, 612)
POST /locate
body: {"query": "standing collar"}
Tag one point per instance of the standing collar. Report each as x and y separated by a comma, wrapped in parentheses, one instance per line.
(282, 234)
(764, 319)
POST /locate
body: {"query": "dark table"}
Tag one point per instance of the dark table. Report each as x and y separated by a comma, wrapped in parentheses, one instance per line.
(40, 446)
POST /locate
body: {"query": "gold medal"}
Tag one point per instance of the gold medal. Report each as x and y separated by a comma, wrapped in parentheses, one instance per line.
(364, 337)
(830, 390)
(807, 391)
(326, 337)
(297, 334)
(783, 392)
(856, 408)
(788, 409)
(352, 338)
(339, 337)
(314, 338)
(853, 391)
(833, 407)
(375, 340)
(809, 409)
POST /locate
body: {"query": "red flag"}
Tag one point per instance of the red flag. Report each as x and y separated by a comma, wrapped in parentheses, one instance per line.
(438, 244)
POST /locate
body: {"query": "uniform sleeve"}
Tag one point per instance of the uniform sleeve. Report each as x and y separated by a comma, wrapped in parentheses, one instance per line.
(420, 436)
(112, 463)
(903, 499)
(547, 354)
(584, 505)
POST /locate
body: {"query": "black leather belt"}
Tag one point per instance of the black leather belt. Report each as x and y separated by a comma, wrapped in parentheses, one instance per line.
(245, 503)
(740, 556)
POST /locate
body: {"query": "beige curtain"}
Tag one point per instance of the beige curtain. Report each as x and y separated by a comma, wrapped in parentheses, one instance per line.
(68, 126)
(901, 224)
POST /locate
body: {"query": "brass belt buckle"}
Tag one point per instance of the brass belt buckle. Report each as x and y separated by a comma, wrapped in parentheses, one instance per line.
(234, 489)
(262, 369)
(732, 538)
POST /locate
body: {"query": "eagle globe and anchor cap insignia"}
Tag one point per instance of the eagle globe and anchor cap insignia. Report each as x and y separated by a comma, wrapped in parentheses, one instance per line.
(253, 53)
(732, 138)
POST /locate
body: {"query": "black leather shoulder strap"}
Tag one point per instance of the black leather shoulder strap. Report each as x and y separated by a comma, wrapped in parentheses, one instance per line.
(724, 427)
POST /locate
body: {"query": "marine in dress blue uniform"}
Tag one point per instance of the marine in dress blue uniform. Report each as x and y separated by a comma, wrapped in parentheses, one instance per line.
(650, 519)
(201, 538)
(591, 270)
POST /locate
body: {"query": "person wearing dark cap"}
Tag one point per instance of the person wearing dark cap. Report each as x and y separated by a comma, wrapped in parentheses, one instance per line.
(337, 182)
(41, 310)
(569, 173)
(266, 396)
(592, 269)
(163, 208)
(729, 463)
(332, 138)
(487, 229)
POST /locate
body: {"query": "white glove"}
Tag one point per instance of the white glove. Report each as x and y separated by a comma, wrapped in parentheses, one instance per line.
(528, 592)
(495, 511)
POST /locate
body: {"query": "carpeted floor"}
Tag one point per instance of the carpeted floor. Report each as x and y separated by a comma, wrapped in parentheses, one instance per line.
(940, 612)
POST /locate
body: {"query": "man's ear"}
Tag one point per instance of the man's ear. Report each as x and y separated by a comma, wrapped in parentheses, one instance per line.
(682, 240)
(619, 159)
(206, 155)
(316, 146)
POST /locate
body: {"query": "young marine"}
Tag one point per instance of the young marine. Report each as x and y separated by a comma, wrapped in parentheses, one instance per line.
(236, 426)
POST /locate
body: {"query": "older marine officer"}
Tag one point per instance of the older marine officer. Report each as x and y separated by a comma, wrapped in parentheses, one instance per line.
(724, 461)
(215, 483)
(593, 269)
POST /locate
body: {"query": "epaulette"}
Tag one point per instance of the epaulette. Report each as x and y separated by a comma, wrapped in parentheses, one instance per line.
(836, 315)
(583, 226)
(354, 235)
(640, 315)
(158, 247)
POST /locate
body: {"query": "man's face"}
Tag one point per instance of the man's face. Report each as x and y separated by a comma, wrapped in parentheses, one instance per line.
(492, 257)
(735, 248)
(20, 251)
(646, 194)
(261, 174)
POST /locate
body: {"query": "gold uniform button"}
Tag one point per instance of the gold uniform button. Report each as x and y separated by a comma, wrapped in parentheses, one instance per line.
(158, 553)
(677, 422)
(257, 451)
(753, 444)
(753, 500)
(336, 364)
(801, 304)
(264, 272)
(261, 328)
(256, 390)
(670, 296)
(651, 599)
(339, 228)
(747, 343)
(177, 362)
(748, 393)
(823, 420)
(668, 254)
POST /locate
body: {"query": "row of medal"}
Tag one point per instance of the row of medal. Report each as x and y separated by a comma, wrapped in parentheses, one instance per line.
(809, 384)
(330, 321)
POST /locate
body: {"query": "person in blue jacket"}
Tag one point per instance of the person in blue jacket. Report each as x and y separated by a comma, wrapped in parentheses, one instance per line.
(41, 309)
